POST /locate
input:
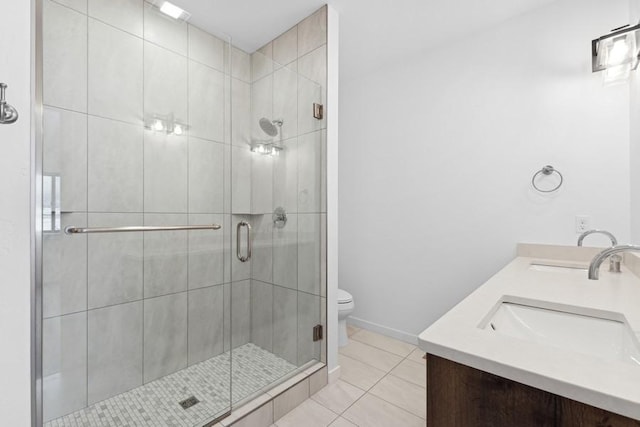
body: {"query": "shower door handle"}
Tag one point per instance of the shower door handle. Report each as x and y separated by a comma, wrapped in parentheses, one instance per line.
(238, 252)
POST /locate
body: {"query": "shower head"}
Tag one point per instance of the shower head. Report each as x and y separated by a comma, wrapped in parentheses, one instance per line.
(269, 126)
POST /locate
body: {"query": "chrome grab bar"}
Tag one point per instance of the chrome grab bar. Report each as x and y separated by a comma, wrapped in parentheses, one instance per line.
(80, 230)
(238, 254)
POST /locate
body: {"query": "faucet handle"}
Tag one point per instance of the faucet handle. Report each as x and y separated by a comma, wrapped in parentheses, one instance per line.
(614, 263)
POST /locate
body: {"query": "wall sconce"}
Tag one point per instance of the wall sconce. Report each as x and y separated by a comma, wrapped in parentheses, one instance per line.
(165, 124)
(616, 53)
(266, 148)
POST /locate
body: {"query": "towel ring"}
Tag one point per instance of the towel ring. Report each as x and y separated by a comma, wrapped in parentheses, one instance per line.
(547, 170)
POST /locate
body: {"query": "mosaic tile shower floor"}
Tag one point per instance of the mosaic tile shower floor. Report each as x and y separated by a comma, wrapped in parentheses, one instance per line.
(156, 404)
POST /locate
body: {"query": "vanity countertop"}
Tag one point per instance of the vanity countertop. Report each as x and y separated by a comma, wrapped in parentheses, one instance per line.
(610, 385)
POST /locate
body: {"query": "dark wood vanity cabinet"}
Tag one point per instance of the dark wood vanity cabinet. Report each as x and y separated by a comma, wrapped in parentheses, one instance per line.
(460, 396)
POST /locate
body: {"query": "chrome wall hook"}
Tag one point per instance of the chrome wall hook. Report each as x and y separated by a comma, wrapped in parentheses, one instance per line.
(8, 114)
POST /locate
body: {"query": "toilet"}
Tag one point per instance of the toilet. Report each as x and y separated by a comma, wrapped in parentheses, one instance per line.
(345, 308)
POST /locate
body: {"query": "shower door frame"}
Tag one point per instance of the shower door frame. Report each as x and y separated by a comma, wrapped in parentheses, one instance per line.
(37, 82)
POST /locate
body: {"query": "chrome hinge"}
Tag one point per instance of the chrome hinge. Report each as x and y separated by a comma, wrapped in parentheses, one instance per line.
(318, 111)
(317, 333)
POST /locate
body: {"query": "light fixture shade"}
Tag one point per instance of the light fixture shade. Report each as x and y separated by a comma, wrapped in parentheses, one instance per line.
(616, 52)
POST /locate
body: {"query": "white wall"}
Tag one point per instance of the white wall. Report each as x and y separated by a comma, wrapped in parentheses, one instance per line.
(15, 70)
(437, 155)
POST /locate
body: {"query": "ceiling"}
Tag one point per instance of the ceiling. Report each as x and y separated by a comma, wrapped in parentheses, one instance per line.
(372, 32)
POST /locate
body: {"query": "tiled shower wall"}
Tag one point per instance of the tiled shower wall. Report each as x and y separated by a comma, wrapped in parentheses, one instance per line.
(121, 310)
(288, 265)
(124, 309)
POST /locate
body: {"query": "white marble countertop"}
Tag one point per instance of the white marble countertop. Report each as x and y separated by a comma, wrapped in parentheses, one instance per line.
(610, 385)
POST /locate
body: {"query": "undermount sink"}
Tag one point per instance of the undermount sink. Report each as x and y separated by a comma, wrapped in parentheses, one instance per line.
(596, 336)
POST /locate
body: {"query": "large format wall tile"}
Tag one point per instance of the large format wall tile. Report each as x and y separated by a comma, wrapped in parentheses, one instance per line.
(309, 174)
(285, 47)
(206, 48)
(262, 314)
(285, 177)
(262, 252)
(79, 5)
(308, 317)
(261, 107)
(115, 350)
(165, 335)
(206, 176)
(165, 83)
(115, 166)
(312, 32)
(241, 179)
(64, 269)
(285, 253)
(261, 64)
(285, 323)
(241, 113)
(240, 65)
(206, 102)
(309, 253)
(165, 172)
(206, 252)
(240, 313)
(115, 94)
(123, 14)
(115, 261)
(285, 101)
(64, 370)
(165, 256)
(64, 57)
(65, 155)
(206, 323)
(261, 184)
(313, 65)
(165, 31)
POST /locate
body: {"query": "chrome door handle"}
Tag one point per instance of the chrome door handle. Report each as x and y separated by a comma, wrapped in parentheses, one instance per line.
(238, 252)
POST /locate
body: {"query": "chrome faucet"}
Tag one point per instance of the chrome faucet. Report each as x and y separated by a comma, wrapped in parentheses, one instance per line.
(615, 260)
(594, 267)
(614, 241)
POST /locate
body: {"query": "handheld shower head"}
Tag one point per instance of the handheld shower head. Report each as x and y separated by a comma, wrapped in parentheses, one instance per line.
(270, 127)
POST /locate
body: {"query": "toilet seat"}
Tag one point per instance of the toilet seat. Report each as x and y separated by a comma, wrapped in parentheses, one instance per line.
(344, 297)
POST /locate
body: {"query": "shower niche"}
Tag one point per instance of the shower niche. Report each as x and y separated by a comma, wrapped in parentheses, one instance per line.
(170, 324)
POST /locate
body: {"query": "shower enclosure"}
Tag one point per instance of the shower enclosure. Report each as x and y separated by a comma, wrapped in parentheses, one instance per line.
(183, 215)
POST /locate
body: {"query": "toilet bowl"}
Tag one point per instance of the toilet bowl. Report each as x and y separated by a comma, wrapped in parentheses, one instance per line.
(345, 308)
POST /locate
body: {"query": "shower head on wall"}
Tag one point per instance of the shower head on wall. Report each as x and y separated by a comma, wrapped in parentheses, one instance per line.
(270, 127)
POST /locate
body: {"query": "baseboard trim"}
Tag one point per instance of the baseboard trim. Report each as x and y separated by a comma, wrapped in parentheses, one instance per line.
(390, 332)
(334, 374)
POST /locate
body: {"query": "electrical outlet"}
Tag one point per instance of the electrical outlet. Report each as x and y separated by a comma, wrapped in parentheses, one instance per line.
(583, 223)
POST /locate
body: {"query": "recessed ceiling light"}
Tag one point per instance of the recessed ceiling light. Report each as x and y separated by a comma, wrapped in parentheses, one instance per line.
(174, 11)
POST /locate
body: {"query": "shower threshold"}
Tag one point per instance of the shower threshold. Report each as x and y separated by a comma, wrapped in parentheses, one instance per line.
(203, 388)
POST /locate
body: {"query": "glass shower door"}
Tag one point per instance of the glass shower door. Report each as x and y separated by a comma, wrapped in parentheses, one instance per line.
(277, 187)
(136, 178)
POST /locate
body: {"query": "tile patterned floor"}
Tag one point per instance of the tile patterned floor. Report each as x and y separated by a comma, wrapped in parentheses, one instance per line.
(156, 404)
(382, 384)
